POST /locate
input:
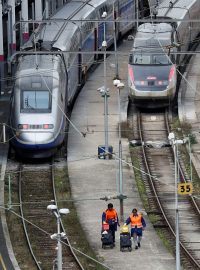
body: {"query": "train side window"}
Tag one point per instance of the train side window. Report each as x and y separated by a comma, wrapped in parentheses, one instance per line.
(73, 47)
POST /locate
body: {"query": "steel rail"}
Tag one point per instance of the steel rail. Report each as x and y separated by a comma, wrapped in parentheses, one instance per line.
(23, 219)
(63, 229)
(159, 203)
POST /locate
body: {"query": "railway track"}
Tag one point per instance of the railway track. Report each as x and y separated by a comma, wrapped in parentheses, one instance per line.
(36, 191)
(158, 168)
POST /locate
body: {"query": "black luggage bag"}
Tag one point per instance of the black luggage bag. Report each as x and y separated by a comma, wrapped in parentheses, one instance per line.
(107, 239)
(125, 241)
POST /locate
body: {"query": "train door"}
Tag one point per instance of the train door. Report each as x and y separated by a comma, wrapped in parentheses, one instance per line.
(87, 35)
(64, 83)
(73, 66)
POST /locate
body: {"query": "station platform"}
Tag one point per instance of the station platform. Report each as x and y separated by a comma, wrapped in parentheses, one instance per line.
(92, 178)
(189, 105)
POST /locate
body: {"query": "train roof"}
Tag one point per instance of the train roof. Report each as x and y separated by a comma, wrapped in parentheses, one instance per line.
(53, 34)
(87, 12)
(153, 36)
(148, 44)
(97, 3)
(47, 32)
(83, 14)
(158, 28)
(176, 10)
(37, 63)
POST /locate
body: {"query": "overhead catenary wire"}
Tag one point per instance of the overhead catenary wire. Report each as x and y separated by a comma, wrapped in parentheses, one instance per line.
(100, 198)
(66, 116)
(125, 20)
(162, 47)
(70, 161)
(64, 243)
(116, 156)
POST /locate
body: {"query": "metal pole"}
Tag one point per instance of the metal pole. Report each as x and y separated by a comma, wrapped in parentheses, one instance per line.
(38, 10)
(9, 192)
(10, 38)
(115, 45)
(59, 252)
(106, 124)
(105, 100)
(119, 111)
(21, 30)
(176, 206)
(190, 158)
(33, 14)
(120, 162)
(4, 132)
(25, 26)
(1, 50)
(53, 7)
(47, 8)
(60, 3)
(137, 14)
(11, 32)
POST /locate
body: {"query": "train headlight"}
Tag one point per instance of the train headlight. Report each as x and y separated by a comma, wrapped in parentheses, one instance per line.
(32, 126)
(172, 73)
(131, 75)
(23, 126)
(48, 126)
(172, 77)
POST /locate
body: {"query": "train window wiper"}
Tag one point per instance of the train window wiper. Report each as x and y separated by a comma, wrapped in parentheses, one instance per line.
(27, 105)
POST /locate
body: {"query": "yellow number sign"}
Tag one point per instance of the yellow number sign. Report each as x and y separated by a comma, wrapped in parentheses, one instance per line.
(185, 188)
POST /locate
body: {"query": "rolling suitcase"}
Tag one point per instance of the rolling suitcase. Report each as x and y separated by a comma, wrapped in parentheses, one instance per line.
(125, 239)
(106, 237)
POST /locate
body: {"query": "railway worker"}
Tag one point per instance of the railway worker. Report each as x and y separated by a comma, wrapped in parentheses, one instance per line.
(110, 216)
(137, 226)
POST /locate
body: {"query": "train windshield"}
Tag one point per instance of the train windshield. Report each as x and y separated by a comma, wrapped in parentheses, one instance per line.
(150, 59)
(36, 101)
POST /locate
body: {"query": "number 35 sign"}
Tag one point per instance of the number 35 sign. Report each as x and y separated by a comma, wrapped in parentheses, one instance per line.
(185, 188)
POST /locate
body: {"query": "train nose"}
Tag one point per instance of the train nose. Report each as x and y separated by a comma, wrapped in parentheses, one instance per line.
(37, 138)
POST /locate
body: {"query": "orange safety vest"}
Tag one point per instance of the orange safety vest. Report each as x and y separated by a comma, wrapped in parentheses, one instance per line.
(136, 221)
(111, 215)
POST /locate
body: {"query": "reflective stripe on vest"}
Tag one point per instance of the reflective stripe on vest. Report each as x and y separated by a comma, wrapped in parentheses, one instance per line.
(136, 221)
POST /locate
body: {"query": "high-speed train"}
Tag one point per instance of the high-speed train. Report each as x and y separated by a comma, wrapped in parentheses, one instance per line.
(47, 83)
(153, 62)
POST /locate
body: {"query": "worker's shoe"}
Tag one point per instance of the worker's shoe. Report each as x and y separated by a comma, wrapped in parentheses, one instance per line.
(136, 247)
(139, 245)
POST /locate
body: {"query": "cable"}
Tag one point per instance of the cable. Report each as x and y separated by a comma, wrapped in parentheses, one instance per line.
(105, 198)
(191, 87)
(80, 133)
(97, 62)
(45, 232)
